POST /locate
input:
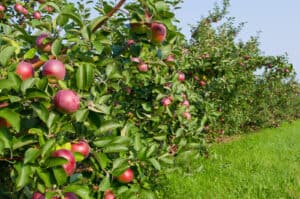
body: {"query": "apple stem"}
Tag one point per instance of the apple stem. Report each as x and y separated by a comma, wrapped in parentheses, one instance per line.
(110, 14)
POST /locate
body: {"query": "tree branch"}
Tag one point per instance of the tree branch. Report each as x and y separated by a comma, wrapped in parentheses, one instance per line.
(110, 14)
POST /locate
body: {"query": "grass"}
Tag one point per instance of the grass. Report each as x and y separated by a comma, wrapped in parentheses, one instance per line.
(265, 164)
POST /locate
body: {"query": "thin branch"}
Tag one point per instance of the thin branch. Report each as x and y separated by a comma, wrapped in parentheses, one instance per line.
(110, 14)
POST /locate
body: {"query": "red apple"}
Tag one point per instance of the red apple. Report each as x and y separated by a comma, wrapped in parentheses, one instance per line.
(37, 15)
(48, 9)
(170, 59)
(18, 7)
(41, 1)
(136, 60)
(46, 47)
(186, 103)
(81, 147)
(25, 70)
(181, 76)
(70, 195)
(38, 195)
(67, 101)
(142, 67)
(158, 32)
(70, 166)
(187, 115)
(202, 83)
(126, 177)
(24, 11)
(54, 69)
(4, 123)
(2, 8)
(108, 194)
(130, 42)
(166, 101)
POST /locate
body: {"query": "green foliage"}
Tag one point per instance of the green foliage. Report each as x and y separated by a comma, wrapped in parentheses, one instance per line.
(123, 115)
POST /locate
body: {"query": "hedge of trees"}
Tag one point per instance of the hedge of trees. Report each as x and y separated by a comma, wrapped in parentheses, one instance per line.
(99, 108)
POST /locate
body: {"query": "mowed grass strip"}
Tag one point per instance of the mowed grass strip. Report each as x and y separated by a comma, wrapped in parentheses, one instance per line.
(265, 164)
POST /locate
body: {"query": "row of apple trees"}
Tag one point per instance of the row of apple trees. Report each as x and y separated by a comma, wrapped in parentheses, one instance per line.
(98, 99)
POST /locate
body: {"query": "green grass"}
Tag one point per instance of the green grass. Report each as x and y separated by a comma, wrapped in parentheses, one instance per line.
(265, 164)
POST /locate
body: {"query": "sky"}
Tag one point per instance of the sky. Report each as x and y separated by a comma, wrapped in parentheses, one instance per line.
(276, 20)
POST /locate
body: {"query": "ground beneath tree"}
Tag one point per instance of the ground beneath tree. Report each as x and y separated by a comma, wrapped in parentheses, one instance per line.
(265, 164)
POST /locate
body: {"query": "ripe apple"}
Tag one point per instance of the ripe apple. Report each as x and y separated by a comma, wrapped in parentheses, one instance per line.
(37, 15)
(136, 60)
(67, 101)
(130, 42)
(181, 76)
(25, 70)
(24, 11)
(186, 103)
(142, 67)
(82, 147)
(4, 123)
(158, 32)
(202, 83)
(70, 195)
(2, 8)
(166, 101)
(38, 195)
(48, 9)
(46, 47)
(187, 115)
(170, 59)
(70, 166)
(54, 70)
(127, 176)
(108, 194)
(18, 7)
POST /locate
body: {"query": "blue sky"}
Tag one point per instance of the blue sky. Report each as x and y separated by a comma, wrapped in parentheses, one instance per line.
(278, 22)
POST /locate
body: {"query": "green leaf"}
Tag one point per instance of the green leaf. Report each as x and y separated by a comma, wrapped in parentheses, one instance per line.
(60, 175)
(137, 142)
(12, 117)
(55, 161)
(121, 140)
(115, 148)
(28, 83)
(102, 159)
(104, 184)
(74, 17)
(41, 111)
(167, 158)
(23, 178)
(147, 194)
(80, 190)
(30, 53)
(47, 147)
(32, 93)
(23, 141)
(31, 154)
(56, 47)
(5, 138)
(96, 21)
(6, 54)
(84, 76)
(81, 115)
(103, 142)
(108, 126)
(155, 163)
(45, 176)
